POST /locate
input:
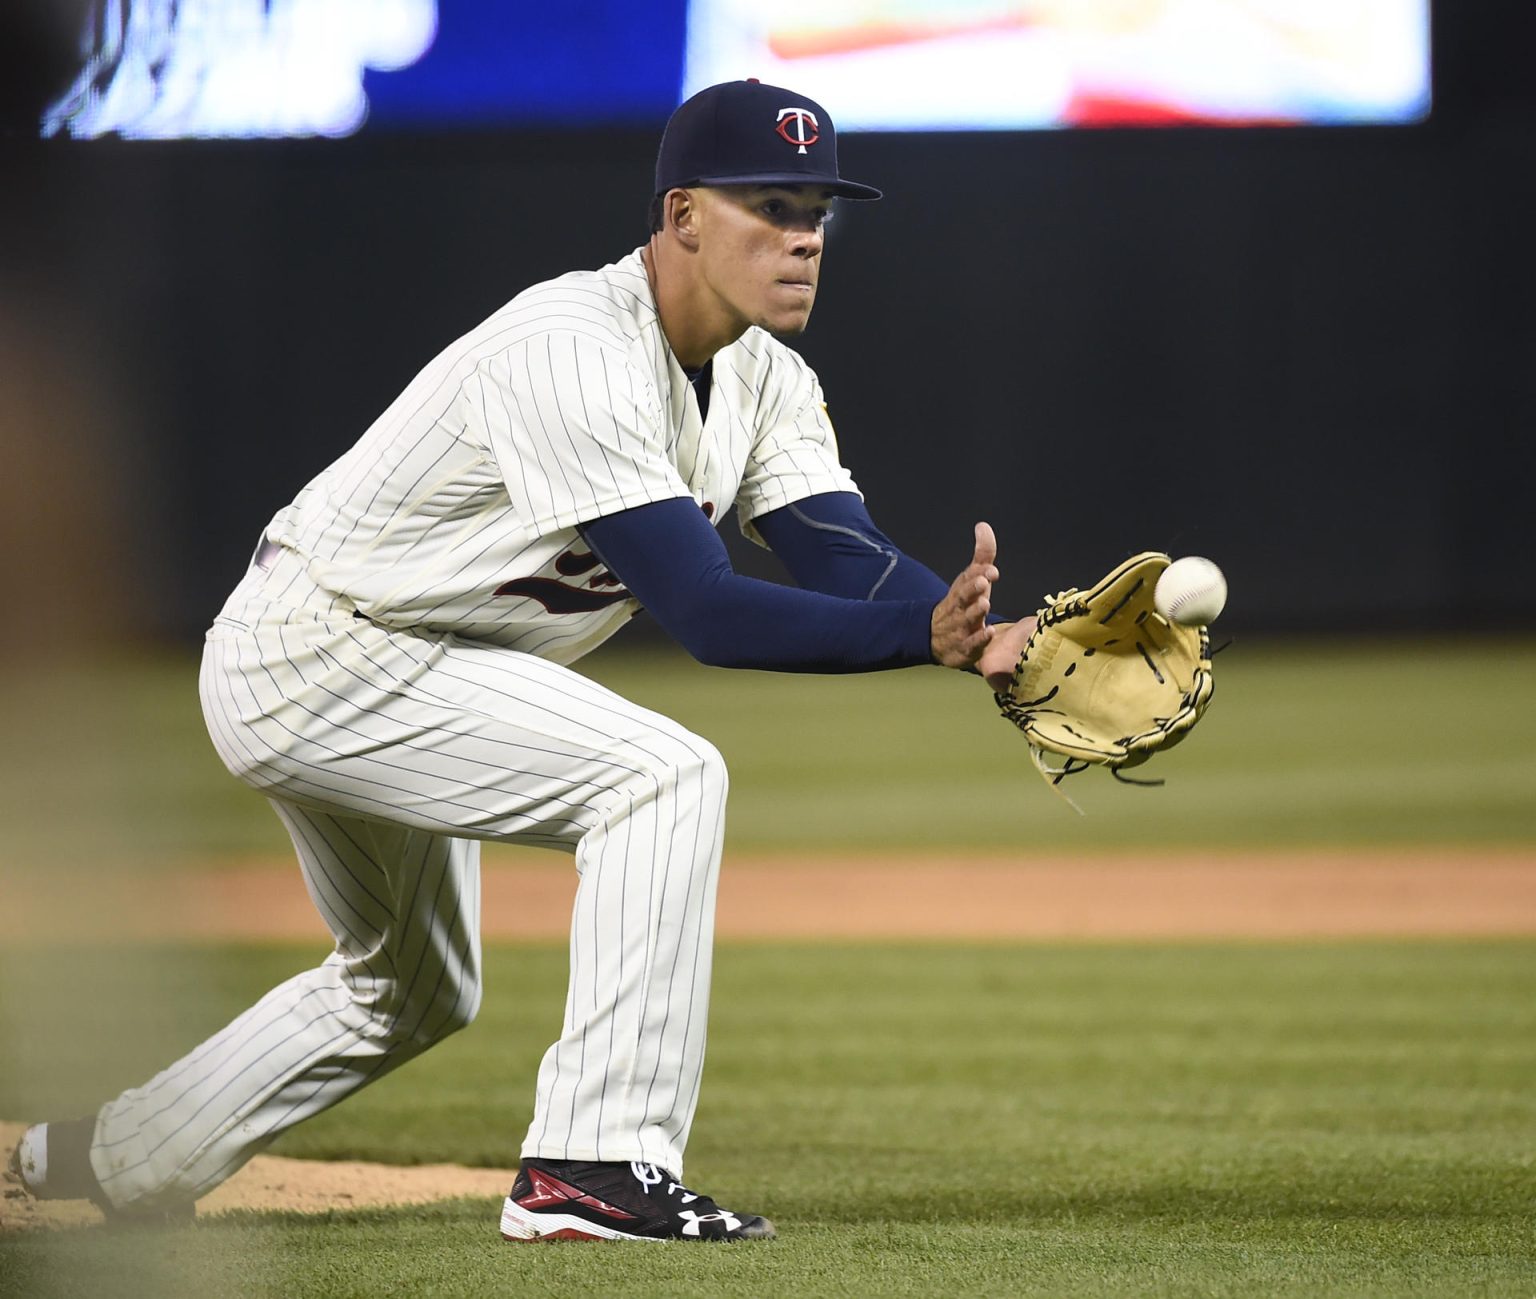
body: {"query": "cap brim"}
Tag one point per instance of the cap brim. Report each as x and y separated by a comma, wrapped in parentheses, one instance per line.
(842, 188)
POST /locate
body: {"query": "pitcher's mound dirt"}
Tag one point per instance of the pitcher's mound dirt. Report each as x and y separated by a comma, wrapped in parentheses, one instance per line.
(270, 1182)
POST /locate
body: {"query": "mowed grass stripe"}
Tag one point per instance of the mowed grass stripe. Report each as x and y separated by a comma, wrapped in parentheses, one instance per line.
(1307, 1119)
(1306, 743)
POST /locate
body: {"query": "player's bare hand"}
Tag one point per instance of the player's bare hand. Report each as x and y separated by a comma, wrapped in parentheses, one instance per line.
(1002, 652)
(959, 630)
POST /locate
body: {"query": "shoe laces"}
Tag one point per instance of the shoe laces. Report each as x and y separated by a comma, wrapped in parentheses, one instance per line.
(649, 1175)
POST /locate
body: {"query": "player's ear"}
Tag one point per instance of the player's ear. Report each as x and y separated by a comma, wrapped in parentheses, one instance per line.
(681, 210)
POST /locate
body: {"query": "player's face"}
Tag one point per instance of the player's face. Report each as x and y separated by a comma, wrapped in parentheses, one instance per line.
(760, 251)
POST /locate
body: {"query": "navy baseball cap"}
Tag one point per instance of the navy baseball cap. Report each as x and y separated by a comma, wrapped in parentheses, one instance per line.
(746, 133)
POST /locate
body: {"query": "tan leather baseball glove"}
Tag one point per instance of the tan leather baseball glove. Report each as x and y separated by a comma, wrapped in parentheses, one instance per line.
(1106, 680)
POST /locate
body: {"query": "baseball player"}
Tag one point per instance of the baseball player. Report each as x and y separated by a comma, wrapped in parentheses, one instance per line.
(392, 673)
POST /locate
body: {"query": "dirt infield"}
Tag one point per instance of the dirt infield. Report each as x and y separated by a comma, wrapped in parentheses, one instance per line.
(1270, 896)
(1208, 895)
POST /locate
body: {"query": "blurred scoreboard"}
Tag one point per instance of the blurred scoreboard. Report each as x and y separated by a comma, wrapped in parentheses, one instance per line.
(166, 69)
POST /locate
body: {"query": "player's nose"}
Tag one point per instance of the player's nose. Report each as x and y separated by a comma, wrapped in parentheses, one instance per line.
(806, 242)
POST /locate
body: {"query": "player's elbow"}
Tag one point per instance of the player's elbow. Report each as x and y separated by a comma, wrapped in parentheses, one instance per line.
(715, 646)
(714, 627)
(719, 634)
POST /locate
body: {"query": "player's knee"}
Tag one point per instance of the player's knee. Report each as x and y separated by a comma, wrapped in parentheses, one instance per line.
(402, 1020)
(437, 1023)
(703, 770)
(677, 769)
(461, 1014)
(457, 1009)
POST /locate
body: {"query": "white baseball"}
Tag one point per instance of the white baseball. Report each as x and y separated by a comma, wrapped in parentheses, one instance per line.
(1191, 592)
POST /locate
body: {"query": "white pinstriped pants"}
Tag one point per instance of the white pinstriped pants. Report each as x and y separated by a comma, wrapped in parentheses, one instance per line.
(388, 756)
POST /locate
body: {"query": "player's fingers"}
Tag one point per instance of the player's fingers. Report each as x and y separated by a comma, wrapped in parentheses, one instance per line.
(973, 600)
(969, 587)
(961, 630)
(986, 546)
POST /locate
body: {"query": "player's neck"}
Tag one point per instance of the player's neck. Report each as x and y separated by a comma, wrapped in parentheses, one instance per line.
(694, 322)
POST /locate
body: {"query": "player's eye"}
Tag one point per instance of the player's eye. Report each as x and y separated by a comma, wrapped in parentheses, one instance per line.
(773, 207)
(823, 215)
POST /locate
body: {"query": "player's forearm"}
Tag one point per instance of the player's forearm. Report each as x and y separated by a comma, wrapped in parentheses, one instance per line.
(674, 563)
(828, 543)
(752, 624)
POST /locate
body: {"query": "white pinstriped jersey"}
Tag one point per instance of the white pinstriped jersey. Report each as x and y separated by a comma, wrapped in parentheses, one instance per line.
(457, 510)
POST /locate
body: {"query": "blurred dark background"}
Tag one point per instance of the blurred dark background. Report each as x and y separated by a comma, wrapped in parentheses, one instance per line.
(1308, 353)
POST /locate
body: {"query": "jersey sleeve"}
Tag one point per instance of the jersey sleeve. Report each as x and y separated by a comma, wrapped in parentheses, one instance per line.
(577, 431)
(794, 454)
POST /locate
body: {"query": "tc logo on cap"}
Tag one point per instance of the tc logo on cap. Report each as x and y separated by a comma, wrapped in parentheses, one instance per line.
(798, 126)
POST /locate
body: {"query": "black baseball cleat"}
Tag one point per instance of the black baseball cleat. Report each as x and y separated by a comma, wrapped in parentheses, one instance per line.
(52, 1161)
(555, 1199)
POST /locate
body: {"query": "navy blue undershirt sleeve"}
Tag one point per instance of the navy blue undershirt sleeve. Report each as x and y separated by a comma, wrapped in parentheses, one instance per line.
(830, 544)
(671, 559)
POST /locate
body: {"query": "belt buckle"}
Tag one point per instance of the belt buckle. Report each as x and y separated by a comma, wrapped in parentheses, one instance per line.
(265, 555)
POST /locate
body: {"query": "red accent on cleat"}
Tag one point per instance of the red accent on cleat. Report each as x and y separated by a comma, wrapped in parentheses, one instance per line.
(547, 1190)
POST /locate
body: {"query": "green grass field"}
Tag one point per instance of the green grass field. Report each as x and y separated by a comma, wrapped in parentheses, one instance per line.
(1304, 744)
(1355, 1119)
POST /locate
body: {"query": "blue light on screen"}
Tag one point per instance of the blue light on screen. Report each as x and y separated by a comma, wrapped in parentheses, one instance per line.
(585, 62)
(167, 69)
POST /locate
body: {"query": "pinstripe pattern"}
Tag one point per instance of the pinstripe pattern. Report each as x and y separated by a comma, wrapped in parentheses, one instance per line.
(405, 908)
(343, 723)
(372, 678)
(564, 406)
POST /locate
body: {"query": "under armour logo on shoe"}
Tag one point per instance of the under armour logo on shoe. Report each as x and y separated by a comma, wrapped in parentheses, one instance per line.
(691, 1221)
